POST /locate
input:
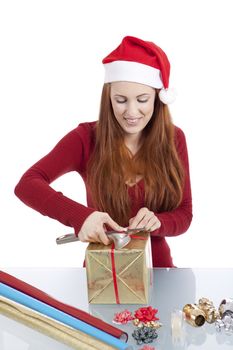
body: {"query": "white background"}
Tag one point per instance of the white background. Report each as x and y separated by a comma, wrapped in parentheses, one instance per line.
(51, 78)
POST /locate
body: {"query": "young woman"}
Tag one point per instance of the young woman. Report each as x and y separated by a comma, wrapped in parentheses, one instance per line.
(133, 160)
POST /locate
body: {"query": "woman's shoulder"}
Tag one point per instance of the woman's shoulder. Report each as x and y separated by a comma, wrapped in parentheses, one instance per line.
(86, 128)
(179, 135)
(85, 131)
(180, 140)
(86, 134)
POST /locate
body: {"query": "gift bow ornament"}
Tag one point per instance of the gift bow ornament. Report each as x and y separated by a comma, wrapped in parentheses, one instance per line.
(120, 238)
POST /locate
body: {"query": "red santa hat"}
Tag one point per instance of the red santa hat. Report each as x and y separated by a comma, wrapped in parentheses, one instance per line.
(140, 61)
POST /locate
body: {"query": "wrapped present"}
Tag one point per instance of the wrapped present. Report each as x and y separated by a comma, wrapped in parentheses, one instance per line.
(120, 276)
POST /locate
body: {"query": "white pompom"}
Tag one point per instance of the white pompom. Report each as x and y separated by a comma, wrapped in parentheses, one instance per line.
(167, 96)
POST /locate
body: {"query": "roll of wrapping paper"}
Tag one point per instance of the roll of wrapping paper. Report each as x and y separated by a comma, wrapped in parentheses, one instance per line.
(44, 324)
(60, 316)
(77, 313)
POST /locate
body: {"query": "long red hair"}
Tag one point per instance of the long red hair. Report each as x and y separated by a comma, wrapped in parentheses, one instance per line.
(112, 165)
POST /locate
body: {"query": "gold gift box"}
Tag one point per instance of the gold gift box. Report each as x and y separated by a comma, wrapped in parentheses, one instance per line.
(133, 272)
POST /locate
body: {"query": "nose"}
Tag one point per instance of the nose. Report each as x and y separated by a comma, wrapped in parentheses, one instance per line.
(132, 108)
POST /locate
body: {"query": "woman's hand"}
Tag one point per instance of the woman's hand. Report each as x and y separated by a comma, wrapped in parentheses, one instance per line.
(145, 218)
(93, 228)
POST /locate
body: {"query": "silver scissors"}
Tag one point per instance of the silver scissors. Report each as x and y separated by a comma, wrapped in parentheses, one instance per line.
(71, 237)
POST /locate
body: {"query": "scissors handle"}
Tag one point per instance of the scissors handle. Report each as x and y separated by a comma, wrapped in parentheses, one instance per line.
(69, 237)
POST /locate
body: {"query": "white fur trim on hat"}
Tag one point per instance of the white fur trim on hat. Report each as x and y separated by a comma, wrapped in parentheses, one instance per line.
(133, 72)
(167, 96)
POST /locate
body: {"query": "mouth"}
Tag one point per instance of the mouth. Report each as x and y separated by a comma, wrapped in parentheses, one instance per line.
(132, 121)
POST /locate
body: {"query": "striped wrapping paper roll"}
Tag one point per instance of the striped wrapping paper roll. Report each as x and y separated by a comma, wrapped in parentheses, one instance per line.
(60, 316)
(48, 326)
(70, 310)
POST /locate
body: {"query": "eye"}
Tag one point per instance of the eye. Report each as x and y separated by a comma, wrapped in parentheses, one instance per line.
(142, 101)
(120, 101)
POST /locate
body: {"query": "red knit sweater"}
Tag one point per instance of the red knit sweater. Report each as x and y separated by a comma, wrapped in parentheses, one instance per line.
(71, 154)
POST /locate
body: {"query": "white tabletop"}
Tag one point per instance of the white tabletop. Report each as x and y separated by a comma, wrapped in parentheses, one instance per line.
(172, 289)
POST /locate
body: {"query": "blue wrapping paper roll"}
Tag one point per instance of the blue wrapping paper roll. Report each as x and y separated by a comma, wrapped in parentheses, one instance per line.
(60, 316)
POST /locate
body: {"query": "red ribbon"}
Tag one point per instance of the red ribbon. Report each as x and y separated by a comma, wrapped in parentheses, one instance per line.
(138, 237)
(114, 277)
(114, 274)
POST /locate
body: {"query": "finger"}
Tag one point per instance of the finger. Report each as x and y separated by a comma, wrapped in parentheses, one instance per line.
(82, 237)
(152, 221)
(104, 238)
(89, 237)
(109, 221)
(94, 240)
(136, 221)
(131, 220)
(141, 218)
(97, 238)
(147, 219)
(156, 226)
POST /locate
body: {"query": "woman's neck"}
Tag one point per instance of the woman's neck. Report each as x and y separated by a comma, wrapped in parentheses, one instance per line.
(132, 142)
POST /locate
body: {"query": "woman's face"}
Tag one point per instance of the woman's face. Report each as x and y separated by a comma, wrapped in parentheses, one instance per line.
(133, 105)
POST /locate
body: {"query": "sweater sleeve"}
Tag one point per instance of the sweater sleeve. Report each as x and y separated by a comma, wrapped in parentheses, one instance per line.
(177, 221)
(34, 187)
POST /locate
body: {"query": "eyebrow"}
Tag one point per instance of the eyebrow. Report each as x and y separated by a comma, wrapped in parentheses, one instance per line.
(145, 94)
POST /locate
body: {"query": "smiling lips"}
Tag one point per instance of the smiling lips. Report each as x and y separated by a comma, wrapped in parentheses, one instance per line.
(132, 121)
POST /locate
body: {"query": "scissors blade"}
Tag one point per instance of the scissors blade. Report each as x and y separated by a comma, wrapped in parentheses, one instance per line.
(129, 230)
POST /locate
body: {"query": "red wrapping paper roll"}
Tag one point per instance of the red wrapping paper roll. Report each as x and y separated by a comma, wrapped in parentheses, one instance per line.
(70, 310)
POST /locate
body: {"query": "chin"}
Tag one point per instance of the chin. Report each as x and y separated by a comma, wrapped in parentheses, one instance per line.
(133, 132)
